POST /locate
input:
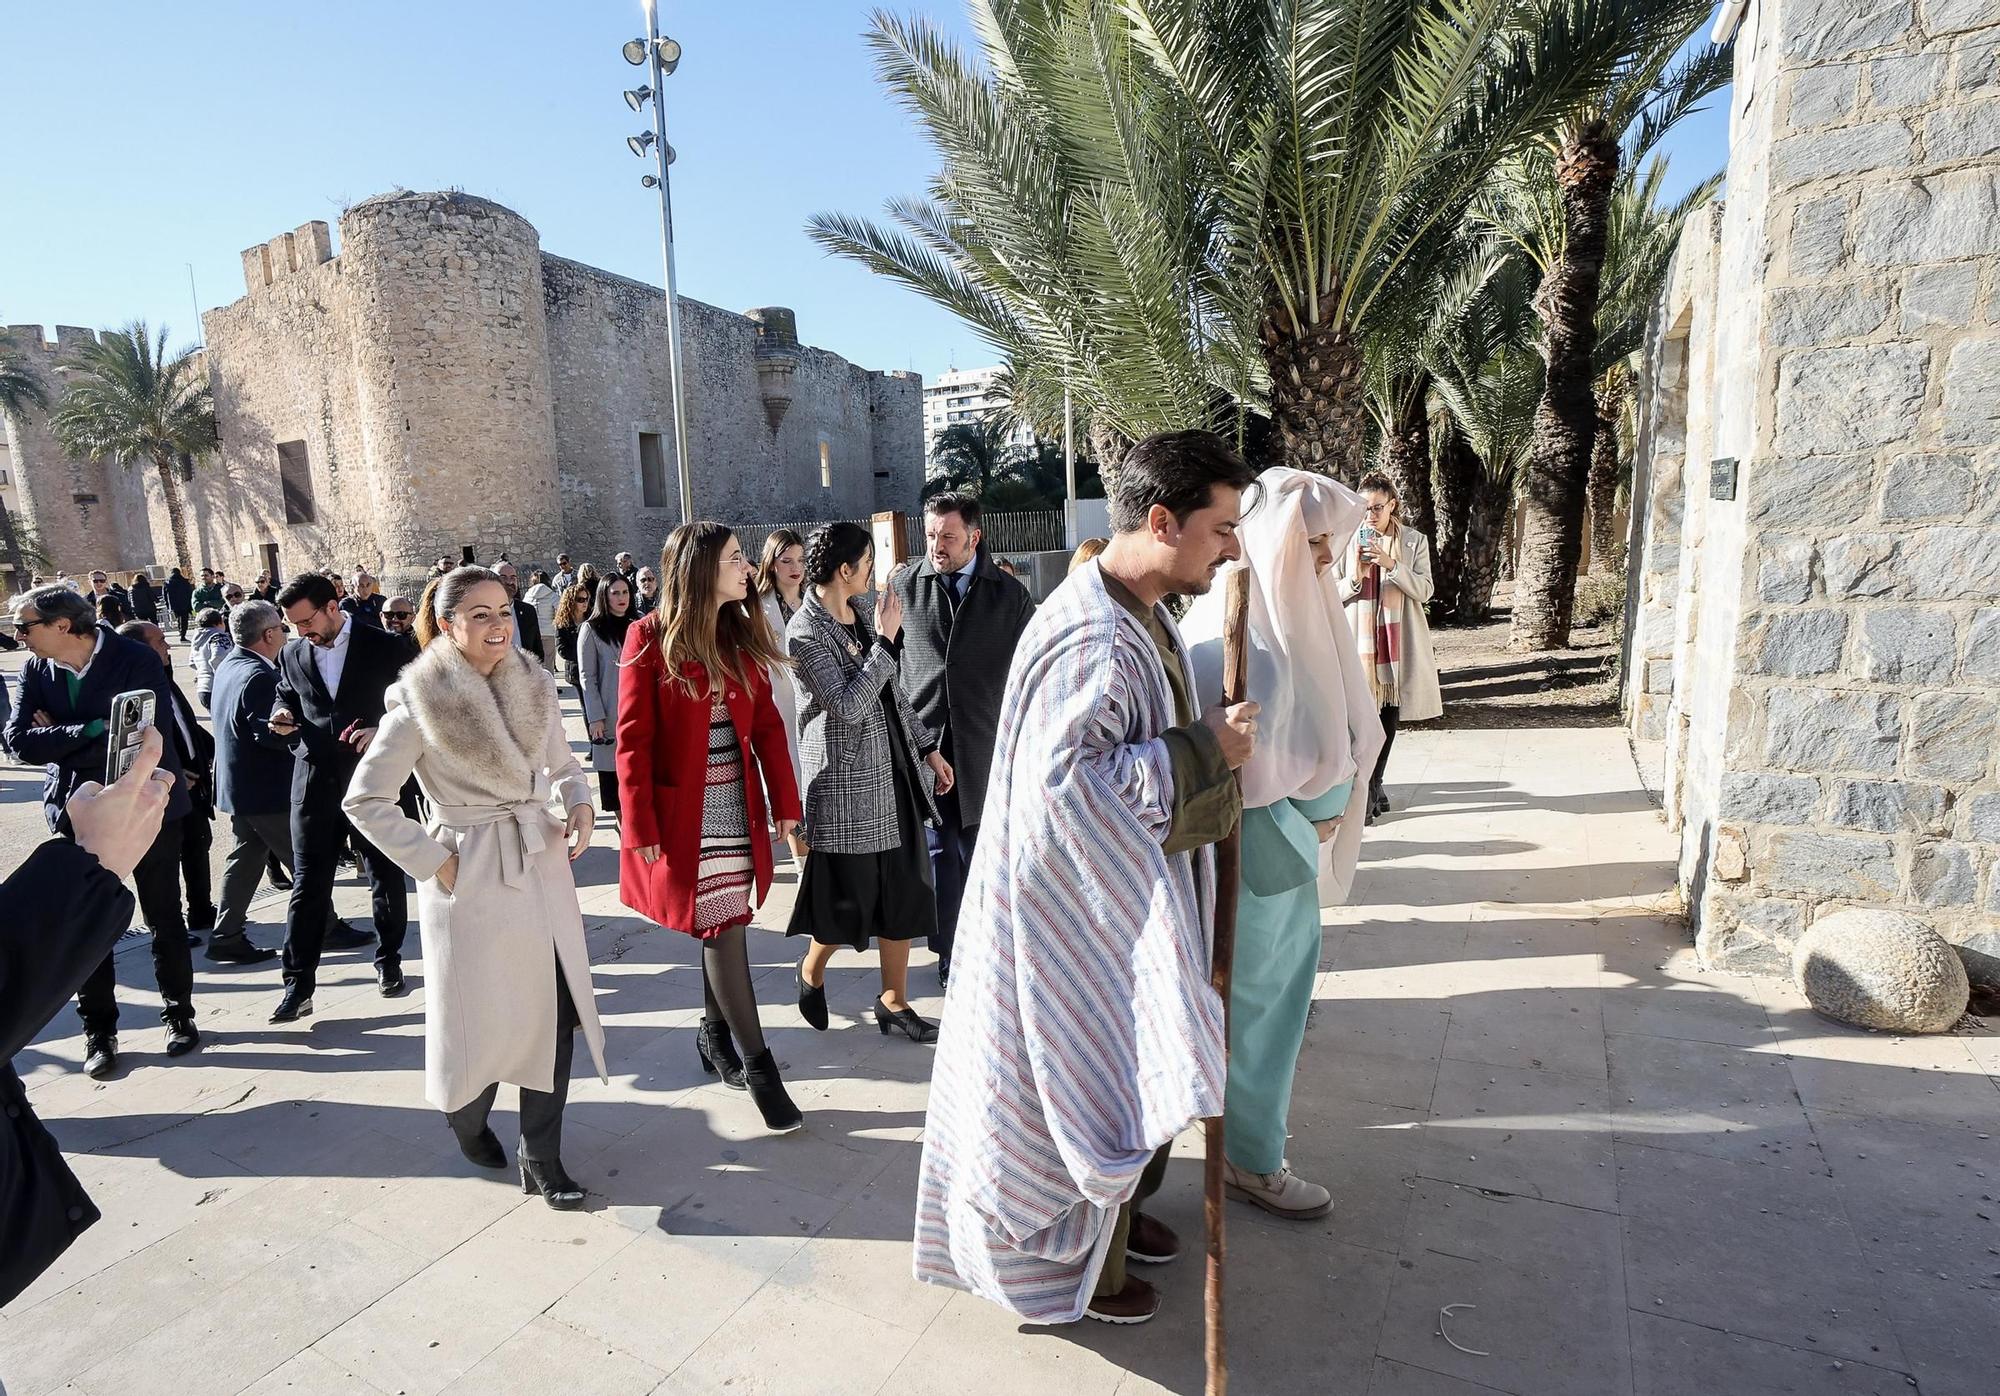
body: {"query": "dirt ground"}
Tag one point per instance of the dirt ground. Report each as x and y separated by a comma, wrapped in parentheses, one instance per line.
(1487, 685)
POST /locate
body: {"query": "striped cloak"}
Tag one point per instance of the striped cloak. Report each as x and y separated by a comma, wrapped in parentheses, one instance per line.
(1082, 1032)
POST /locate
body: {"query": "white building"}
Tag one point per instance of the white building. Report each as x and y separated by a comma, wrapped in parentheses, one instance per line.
(962, 396)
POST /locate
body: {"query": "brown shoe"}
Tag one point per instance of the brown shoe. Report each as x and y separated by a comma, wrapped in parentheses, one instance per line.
(1152, 1241)
(1135, 1303)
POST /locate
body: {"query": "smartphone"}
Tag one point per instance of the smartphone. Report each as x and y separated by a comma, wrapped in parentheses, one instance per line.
(131, 715)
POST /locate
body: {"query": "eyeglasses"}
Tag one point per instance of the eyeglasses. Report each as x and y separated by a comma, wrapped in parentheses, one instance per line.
(399, 615)
(22, 627)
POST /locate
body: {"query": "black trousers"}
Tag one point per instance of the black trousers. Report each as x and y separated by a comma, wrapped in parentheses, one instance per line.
(157, 880)
(541, 1111)
(181, 619)
(197, 877)
(1389, 716)
(950, 845)
(317, 838)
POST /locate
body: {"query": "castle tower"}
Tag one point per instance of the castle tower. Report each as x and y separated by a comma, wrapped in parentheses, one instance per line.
(451, 368)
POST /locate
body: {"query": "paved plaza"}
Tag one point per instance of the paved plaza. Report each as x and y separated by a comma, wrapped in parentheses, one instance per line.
(1620, 1173)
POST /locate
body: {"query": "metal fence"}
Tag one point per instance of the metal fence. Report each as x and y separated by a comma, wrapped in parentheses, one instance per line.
(1041, 531)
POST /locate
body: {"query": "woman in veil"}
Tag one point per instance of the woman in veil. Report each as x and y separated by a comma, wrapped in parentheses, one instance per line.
(1318, 727)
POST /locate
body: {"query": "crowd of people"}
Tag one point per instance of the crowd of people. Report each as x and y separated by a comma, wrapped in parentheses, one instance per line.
(1035, 791)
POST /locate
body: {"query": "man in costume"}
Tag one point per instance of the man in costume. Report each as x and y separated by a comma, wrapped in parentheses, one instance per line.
(1084, 1036)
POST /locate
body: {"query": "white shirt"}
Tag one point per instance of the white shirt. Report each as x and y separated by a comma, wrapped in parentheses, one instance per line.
(95, 650)
(331, 659)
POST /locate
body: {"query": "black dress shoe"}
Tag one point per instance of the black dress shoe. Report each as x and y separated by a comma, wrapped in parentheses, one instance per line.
(278, 879)
(194, 937)
(905, 1021)
(343, 936)
(181, 1037)
(812, 1000)
(389, 979)
(237, 950)
(484, 1148)
(718, 1054)
(557, 1188)
(100, 1054)
(944, 974)
(296, 1004)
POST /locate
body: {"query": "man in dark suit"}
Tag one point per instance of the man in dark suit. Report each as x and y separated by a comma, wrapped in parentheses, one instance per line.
(253, 781)
(331, 684)
(962, 617)
(67, 691)
(67, 906)
(527, 625)
(196, 750)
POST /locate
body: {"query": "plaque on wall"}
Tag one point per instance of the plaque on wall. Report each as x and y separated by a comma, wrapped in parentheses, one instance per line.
(1722, 478)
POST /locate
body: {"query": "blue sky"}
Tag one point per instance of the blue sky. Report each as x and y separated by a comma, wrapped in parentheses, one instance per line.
(147, 137)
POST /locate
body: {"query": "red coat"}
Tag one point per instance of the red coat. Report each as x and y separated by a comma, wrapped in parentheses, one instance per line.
(662, 751)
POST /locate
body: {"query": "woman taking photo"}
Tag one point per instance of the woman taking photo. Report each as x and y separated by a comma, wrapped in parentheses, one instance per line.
(699, 743)
(781, 577)
(475, 719)
(1385, 571)
(868, 873)
(599, 644)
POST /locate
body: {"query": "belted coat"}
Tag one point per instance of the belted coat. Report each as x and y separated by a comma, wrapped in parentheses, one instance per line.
(495, 764)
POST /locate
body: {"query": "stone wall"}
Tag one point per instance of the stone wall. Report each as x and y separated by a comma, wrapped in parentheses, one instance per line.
(454, 386)
(1829, 702)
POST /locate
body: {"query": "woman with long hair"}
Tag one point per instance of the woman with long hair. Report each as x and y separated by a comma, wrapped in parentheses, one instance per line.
(475, 719)
(1385, 568)
(571, 612)
(868, 872)
(599, 643)
(781, 576)
(699, 745)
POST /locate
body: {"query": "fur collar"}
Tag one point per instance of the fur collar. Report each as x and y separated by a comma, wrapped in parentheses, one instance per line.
(487, 735)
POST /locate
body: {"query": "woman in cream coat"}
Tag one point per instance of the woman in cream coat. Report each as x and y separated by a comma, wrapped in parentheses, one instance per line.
(1385, 573)
(508, 979)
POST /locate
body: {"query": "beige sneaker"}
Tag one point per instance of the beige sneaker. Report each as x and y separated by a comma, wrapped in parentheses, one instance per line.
(1282, 1194)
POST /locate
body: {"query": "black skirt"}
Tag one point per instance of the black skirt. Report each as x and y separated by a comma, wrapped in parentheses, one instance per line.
(845, 898)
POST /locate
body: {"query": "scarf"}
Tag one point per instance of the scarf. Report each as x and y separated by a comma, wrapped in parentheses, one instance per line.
(1378, 622)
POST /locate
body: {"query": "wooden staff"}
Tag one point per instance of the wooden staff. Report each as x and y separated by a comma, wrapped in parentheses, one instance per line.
(1228, 870)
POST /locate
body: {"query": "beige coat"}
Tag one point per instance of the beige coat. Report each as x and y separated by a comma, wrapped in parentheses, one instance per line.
(489, 754)
(1417, 679)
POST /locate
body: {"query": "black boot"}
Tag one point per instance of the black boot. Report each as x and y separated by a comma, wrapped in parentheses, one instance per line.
(557, 1188)
(718, 1053)
(760, 1075)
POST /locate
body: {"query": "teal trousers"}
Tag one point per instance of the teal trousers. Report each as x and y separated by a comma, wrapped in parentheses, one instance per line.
(1272, 976)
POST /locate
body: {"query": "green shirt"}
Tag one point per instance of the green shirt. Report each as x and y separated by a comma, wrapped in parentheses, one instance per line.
(1207, 799)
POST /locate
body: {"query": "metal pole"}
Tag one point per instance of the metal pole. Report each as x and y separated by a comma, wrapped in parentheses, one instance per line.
(1069, 469)
(683, 466)
(195, 301)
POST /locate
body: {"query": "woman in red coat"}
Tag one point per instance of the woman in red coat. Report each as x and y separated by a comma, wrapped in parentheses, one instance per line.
(699, 745)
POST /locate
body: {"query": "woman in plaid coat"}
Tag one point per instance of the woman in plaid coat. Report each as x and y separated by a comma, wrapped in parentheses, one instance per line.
(867, 765)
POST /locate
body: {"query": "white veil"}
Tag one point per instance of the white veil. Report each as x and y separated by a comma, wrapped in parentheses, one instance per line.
(1318, 724)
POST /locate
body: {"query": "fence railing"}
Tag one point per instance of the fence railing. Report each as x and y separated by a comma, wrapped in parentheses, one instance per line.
(1036, 532)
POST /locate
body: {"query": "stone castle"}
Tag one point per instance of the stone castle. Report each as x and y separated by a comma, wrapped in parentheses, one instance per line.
(443, 383)
(1814, 626)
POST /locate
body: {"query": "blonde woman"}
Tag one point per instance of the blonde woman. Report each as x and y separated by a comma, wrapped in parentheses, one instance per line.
(475, 719)
(1385, 572)
(781, 584)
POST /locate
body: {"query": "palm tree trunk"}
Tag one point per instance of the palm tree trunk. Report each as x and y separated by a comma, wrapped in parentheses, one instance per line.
(1108, 446)
(1318, 398)
(1603, 497)
(1406, 453)
(1457, 473)
(170, 485)
(10, 542)
(1566, 417)
(1485, 532)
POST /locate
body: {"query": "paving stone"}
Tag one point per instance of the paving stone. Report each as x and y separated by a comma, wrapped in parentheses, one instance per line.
(1544, 1135)
(1671, 1358)
(1705, 1098)
(766, 1346)
(547, 1356)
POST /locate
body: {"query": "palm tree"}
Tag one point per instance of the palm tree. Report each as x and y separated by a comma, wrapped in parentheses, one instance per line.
(20, 389)
(1345, 142)
(1562, 209)
(969, 456)
(129, 400)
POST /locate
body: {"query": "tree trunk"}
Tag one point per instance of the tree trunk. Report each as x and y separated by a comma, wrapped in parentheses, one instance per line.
(1318, 398)
(1566, 417)
(170, 484)
(1602, 494)
(1457, 473)
(1486, 531)
(1406, 453)
(10, 542)
(1108, 446)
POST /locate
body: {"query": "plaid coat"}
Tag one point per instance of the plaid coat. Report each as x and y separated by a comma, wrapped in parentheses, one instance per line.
(845, 755)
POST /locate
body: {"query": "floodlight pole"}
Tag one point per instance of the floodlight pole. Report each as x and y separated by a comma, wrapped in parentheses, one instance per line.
(661, 154)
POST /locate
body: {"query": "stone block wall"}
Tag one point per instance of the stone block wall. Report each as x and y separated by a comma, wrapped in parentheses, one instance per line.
(1839, 715)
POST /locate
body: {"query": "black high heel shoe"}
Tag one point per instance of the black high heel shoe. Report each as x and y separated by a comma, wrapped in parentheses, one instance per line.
(905, 1021)
(484, 1149)
(718, 1053)
(812, 999)
(557, 1188)
(767, 1088)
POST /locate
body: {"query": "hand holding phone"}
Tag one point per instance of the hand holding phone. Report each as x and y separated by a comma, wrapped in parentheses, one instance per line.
(131, 714)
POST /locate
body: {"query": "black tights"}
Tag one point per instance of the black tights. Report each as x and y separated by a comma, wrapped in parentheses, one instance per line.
(1389, 716)
(726, 991)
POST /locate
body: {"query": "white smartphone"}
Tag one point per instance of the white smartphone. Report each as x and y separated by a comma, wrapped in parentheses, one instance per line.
(131, 714)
